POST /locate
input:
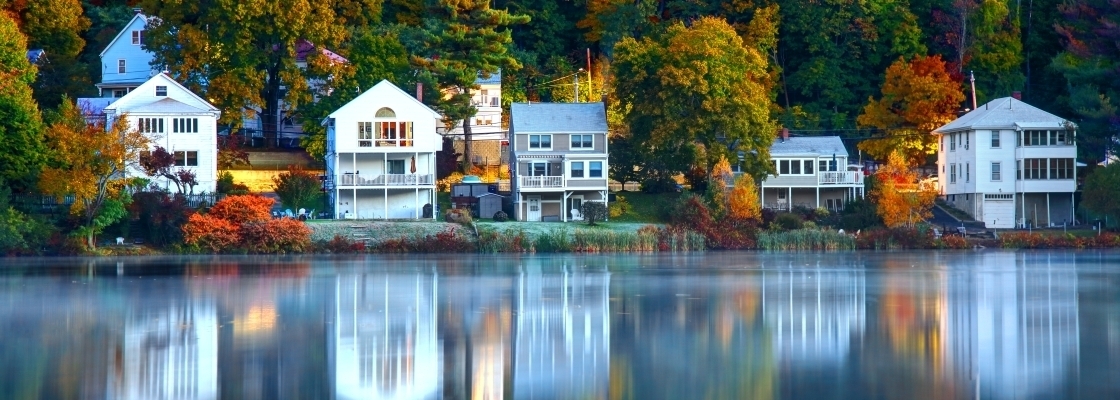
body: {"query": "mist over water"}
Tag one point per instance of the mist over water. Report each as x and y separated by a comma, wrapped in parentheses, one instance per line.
(717, 325)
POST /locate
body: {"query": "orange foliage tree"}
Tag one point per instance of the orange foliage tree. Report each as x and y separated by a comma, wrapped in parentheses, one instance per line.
(918, 97)
(90, 162)
(744, 202)
(899, 198)
(245, 222)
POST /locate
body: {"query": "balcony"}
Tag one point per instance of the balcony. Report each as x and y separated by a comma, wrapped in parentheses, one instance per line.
(386, 180)
(540, 182)
(840, 178)
(386, 143)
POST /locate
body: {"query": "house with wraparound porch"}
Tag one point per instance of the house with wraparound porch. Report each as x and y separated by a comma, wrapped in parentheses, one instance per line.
(381, 156)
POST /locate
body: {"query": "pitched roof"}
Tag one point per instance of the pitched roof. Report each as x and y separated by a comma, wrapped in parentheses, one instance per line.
(383, 85)
(1004, 113)
(495, 78)
(558, 117)
(124, 29)
(163, 78)
(809, 146)
(94, 105)
(34, 55)
(305, 48)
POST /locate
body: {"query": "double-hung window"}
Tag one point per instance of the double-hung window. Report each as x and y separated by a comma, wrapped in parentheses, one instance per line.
(184, 125)
(138, 37)
(186, 158)
(577, 169)
(365, 134)
(150, 125)
(953, 142)
(121, 66)
(967, 139)
(967, 172)
(996, 173)
(995, 139)
(595, 169)
(582, 142)
(540, 142)
(952, 173)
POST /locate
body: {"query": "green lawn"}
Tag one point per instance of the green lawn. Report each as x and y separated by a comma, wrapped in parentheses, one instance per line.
(644, 207)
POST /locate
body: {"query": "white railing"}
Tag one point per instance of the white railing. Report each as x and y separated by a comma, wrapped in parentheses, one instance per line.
(386, 180)
(840, 178)
(530, 182)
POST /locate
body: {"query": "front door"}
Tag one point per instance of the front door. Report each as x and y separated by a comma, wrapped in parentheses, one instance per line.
(534, 212)
(576, 209)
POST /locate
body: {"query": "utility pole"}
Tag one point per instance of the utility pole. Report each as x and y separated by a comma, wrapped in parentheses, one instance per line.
(576, 99)
(972, 79)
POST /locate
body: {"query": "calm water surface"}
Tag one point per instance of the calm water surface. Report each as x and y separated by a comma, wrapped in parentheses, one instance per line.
(989, 324)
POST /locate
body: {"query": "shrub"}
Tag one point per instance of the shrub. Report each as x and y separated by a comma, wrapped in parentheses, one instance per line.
(805, 239)
(691, 213)
(501, 216)
(243, 209)
(508, 241)
(859, 215)
(788, 222)
(444, 185)
(447, 241)
(460, 216)
(951, 242)
(895, 238)
(284, 235)
(160, 216)
(659, 184)
(226, 185)
(619, 207)
(298, 188)
(594, 211)
(342, 245)
(211, 233)
(21, 233)
(697, 178)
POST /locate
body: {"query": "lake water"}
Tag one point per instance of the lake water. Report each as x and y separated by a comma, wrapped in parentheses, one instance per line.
(987, 324)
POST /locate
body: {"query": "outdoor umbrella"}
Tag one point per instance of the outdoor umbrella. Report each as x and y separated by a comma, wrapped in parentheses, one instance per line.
(414, 164)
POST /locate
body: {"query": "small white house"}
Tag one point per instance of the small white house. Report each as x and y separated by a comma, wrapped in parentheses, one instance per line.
(125, 64)
(177, 120)
(381, 155)
(811, 172)
(1009, 164)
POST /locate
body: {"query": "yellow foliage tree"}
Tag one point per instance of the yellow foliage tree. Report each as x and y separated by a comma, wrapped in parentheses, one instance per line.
(744, 199)
(89, 162)
(899, 198)
(918, 97)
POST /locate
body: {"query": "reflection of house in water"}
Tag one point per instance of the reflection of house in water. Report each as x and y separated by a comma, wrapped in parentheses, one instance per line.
(813, 313)
(1015, 325)
(562, 334)
(385, 341)
(168, 354)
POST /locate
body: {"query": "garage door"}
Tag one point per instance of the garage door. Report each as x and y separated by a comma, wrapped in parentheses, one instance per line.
(999, 210)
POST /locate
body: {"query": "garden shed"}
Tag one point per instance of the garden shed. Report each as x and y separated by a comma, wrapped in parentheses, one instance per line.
(479, 197)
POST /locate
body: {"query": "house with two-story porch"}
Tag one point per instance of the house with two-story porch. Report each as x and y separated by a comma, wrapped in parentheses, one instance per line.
(489, 143)
(810, 172)
(381, 156)
(558, 159)
(125, 64)
(1009, 164)
(176, 119)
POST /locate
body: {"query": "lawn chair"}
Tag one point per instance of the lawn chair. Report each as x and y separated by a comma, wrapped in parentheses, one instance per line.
(576, 215)
(288, 213)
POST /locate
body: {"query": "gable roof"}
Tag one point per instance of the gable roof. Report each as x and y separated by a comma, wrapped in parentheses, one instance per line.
(558, 117)
(495, 78)
(1004, 113)
(380, 89)
(124, 29)
(305, 48)
(167, 105)
(34, 55)
(809, 146)
(94, 105)
(162, 79)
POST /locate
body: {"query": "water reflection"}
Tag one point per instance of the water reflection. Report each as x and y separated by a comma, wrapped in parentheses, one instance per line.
(862, 325)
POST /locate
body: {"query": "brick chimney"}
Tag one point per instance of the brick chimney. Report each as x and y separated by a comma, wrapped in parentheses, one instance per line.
(1017, 95)
(420, 92)
(785, 134)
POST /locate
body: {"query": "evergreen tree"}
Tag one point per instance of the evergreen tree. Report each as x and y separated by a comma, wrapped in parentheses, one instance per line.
(21, 150)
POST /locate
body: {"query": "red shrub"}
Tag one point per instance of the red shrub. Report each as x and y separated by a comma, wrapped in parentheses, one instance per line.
(243, 209)
(726, 233)
(211, 233)
(283, 235)
(952, 242)
(342, 245)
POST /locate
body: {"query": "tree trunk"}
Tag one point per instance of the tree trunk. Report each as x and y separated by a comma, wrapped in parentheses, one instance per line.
(272, 95)
(467, 163)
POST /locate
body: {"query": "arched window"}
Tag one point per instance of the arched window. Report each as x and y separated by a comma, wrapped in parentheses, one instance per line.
(385, 112)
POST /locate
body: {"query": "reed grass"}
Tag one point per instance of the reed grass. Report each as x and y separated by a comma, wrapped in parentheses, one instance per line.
(564, 240)
(805, 240)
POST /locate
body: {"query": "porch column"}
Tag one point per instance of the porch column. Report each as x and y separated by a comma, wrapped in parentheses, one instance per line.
(1023, 209)
(789, 198)
(1049, 222)
(416, 203)
(564, 206)
(432, 199)
(605, 194)
(818, 196)
(354, 204)
(1072, 210)
(385, 201)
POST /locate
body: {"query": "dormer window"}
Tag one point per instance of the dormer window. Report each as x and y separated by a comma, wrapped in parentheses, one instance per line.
(138, 37)
(161, 90)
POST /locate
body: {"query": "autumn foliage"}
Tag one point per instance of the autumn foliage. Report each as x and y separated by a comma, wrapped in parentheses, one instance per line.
(743, 202)
(245, 223)
(918, 96)
(900, 200)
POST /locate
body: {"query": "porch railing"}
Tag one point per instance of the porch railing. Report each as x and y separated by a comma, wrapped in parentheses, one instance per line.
(540, 182)
(386, 180)
(840, 178)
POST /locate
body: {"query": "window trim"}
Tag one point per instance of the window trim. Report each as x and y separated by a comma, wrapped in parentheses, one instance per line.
(122, 66)
(540, 142)
(161, 89)
(996, 140)
(997, 171)
(952, 173)
(572, 143)
(582, 170)
(590, 165)
(138, 37)
(186, 160)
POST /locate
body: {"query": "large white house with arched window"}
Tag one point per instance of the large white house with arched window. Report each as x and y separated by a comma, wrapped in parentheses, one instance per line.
(381, 156)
